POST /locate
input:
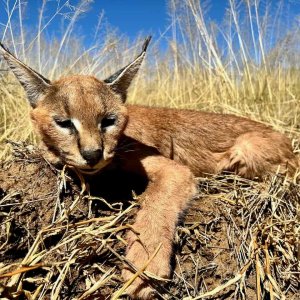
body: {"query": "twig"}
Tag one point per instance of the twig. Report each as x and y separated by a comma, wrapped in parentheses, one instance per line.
(225, 285)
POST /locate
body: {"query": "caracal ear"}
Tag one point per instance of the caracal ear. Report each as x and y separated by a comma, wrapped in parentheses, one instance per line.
(120, 81)
(34, 83)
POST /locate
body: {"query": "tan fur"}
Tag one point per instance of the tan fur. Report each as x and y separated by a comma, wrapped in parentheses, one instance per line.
(78, 97)
(167, 146)
(209, 143)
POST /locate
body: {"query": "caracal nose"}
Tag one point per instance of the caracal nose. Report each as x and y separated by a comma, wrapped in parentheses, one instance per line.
(92, 157)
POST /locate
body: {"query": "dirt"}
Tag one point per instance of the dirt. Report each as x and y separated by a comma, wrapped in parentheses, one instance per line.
(36, 208)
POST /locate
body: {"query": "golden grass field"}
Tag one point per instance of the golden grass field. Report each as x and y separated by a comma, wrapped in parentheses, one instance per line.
(248, 65)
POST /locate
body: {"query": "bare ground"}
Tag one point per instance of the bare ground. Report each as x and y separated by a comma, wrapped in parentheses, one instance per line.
(61, 239)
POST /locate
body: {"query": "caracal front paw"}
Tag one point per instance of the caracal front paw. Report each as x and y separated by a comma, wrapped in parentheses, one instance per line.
(138, 254)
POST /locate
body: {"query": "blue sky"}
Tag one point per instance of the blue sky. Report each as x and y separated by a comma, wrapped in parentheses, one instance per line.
(130, 17)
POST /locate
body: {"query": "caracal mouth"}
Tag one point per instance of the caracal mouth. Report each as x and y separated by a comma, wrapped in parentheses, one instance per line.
(96, 168)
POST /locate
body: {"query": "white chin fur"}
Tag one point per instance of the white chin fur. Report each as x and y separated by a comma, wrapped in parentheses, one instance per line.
(97, 168)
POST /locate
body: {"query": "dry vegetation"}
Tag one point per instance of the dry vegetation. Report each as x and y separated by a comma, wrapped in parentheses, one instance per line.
(60, 239)
(240, 240)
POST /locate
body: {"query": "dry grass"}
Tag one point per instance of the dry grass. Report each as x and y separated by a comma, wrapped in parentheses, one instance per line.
(240, 238)
(240, 241)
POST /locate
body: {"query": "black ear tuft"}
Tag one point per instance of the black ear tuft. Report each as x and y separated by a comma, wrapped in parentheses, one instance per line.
(146, 43)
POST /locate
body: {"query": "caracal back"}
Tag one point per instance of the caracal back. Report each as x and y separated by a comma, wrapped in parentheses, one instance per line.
(210, 143)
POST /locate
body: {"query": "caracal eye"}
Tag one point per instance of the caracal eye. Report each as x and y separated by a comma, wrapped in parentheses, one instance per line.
(108, 121)
(64, 123)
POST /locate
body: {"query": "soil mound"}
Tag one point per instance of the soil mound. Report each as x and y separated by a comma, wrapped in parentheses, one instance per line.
(62, 235)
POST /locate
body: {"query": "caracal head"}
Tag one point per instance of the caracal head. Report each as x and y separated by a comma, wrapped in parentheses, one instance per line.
(79, 118)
